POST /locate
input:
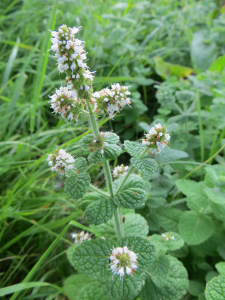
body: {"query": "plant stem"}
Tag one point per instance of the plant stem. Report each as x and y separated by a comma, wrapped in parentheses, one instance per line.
(118, 225)
(200, 128)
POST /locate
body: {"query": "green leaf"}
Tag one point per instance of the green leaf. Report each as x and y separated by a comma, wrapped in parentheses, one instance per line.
(92, 291)
(134, 148)
(185, 96)
(168, 155)
(125, 289)
(203, 54)
(100, 211)
(174, 286)
(215, 195)
(86, 141)
(168, 218)
(74, 284)
(215, 289)
(111, 151)
(196, 288)
(221, 268)
(210, 275)
(112, 138)
(144, 165)
(195, 228)
(133, 181)
(218, 210)
(96, 157)
(159, 270)
(69, 254)
(166, 243)
(197, 199)
(80, 164)
(130, 198)
(88, 199)
(218, 65)
(211, 178)
(76, 184)
(135, 225)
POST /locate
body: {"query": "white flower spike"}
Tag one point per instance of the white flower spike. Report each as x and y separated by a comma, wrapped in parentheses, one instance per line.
(80, 237)
(120, 171)
(60, 161)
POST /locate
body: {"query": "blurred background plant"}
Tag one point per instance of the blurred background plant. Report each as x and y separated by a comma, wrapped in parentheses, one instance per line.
(170, 52)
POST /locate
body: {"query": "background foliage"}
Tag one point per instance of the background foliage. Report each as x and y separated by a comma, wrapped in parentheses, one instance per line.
(171, 54)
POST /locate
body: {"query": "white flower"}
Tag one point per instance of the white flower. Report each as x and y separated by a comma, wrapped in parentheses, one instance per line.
(120, 171)
(123, 261)
(60, 161)
(80, 237)
(168, 236)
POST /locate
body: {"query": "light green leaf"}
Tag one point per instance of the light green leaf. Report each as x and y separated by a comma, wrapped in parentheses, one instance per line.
(218, 210)
(130, 198)
(196, 288)
(168, 155)
(96, 157)
(185, 96)
(175, 285)
(88, 199)
(86, 141)
(74, 284)
(157, 198)
(215, 195)
(134, 148)
(76, 184)
(80, 164)
(168, 218)
(221, 268)
(211, 178)
(100, 211)
(167, 241)
(203, 54)
(69, 253)
(144, 165)
(112, 138)
(210, 275)
(135, 225)
(91, 291)
(133, 181)
(159, 270)
(215, 289)
(195, 228)
(218, 65)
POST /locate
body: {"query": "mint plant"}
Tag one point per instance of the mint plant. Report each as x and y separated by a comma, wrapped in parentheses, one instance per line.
(122, 262)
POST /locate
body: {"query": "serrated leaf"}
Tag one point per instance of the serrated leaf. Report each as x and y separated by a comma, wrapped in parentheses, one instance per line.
(76, 185)
(134, 148)
(135, 224)
(100, 211)
(165, 242)
(221, 267)
(159, 270)
(215, 289)
(80, 164)
(196, 288)
(168, 218)
(133, 181)
(144, 165)
(211, 178)
(215, 195)
(92, 291)
(96, 157)
(74, 284)
(168, 155)
(69, 254)
(130, 198)
(86, 140)
(195, 228)
(111, 151)
(88, 199)
(112, 138)
(175, 286)
(92, 257)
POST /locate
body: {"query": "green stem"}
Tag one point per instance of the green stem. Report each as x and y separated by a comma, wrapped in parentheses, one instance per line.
(94, 188)
(200, 128)
(118, 225)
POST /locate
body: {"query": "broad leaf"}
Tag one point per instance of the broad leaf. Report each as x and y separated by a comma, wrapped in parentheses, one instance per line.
(215, 289)
(76, 184)
(88, 199)
(168, 218)
(195, 288)
(135, 225)
(111, 151)
(195, 228)
(130, 198)
(144, 165)
(86, 141)
(92, 291)
(221, 268)
(74, 284)
(133, 181)
(168, 155)
(167, 241)
(112, 138)
(215, 195)
(159, 269)
(100, 211)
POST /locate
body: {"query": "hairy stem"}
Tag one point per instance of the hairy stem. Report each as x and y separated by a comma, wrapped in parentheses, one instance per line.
(118, 225)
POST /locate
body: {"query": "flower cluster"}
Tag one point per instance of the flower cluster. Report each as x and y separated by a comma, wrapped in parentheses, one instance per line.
(168, 236)
(157, 138)
(112, 100)
(66, 103)
(80, 237)
(123, 261)
(71, 58)
(60, 161)
(120, 171)
(99, 142)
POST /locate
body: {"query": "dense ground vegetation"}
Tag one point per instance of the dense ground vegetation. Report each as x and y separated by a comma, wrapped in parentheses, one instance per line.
(171, 54)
